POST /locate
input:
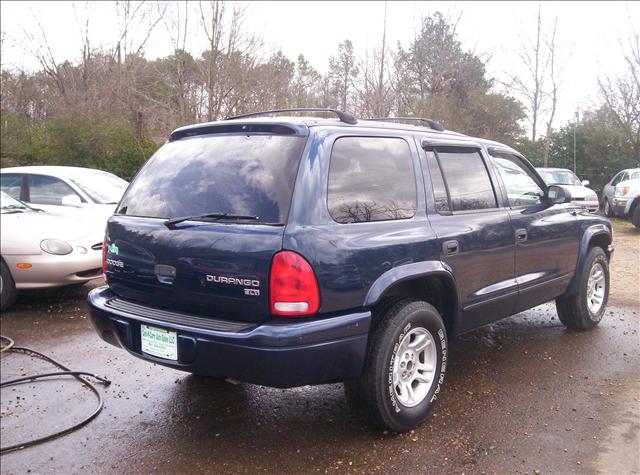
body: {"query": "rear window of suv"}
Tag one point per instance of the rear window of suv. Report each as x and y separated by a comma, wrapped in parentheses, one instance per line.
(235, 174)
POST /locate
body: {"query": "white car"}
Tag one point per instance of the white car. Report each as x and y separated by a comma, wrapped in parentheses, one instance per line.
(580, 194)
(619, 195)
(72, 191)
(40, 249)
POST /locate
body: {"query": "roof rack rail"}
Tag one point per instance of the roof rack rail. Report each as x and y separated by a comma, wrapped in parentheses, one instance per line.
(431, 123)
(343, 116)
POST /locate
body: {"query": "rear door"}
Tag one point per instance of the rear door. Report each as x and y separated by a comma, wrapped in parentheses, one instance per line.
(50, 194)
(546, 236)
(474, 233)
(210, 266)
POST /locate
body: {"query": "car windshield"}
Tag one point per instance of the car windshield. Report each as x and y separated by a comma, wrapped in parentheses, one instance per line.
(560, 177)
(11, 205)
(102, 187)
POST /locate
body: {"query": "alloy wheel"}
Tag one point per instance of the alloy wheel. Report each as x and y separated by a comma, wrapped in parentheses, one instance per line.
(414, 367)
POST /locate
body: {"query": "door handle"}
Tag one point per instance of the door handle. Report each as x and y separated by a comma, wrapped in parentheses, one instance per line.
(450, 248)
(521, 235)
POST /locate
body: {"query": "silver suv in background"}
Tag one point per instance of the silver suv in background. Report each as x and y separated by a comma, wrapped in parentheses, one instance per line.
(580, 194)
(621, 196)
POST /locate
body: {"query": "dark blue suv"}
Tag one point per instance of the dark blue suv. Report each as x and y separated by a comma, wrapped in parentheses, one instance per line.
(287, 251)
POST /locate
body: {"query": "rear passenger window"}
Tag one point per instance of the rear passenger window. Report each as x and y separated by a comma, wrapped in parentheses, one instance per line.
(47, 190)
(371, 179)
(466, 178)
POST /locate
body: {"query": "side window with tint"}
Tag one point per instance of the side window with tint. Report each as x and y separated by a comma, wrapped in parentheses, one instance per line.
(437, 183)
(371, 179)
(47, 190)
(11, 184)
(466, 178)
(522, 190)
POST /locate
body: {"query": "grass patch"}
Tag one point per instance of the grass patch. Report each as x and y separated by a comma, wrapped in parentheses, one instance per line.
(622, 224)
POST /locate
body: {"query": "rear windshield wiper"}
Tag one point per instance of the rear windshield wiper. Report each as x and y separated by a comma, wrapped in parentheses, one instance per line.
(170, 223)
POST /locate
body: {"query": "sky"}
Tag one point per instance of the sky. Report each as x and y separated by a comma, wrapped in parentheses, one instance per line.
(591, 36)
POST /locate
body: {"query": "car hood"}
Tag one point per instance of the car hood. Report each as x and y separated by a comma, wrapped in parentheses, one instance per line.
(633, 184)
(93, 210)
(579, 191)
(22, 232)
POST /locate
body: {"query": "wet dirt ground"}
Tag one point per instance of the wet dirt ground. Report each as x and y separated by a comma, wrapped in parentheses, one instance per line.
(523, 395)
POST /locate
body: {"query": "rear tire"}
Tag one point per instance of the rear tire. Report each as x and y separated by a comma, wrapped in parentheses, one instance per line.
(585, 310)
(635, 217)
(8, 292)
(404, 369)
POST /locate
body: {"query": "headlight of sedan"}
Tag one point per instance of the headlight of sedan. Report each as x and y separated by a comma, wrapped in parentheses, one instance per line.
(56, 246)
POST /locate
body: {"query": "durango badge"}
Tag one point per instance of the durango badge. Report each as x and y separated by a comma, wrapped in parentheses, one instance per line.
(247, 283)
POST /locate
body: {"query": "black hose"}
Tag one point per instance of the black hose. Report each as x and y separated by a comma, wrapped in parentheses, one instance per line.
(10, 347)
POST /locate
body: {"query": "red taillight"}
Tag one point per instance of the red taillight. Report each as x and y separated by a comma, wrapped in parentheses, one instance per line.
(104, 259)
(293, 288)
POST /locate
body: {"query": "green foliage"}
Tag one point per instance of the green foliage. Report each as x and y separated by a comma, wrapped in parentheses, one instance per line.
(534, 151)
(601, 149)
(98, 144)
(439, 80)
(343, 71)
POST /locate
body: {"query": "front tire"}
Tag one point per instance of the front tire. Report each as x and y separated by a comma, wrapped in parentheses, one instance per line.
(585, 310)
(608, 212)
(8, 292)
(635, 217)
(404, 369)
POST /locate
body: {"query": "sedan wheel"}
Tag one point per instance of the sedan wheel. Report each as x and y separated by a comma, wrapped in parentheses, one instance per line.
(607, 209)
(8, 291)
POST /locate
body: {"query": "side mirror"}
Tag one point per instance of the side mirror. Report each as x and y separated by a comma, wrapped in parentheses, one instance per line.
(585, 182)
(71, 200)
(557, 194)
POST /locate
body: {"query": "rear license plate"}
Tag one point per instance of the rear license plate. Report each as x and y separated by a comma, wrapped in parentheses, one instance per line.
(159, 342)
